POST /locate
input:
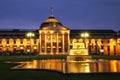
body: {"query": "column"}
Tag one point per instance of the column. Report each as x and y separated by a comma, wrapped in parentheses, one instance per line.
(45, 45)
(40, 49)
(68, 43)
(51, 43)
(63, 49)
(57, 44)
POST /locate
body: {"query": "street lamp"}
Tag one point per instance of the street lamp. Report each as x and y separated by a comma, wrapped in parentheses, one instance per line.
(84, 35)
(30, 35)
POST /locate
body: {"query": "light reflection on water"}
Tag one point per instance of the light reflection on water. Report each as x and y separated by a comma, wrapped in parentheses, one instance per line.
(72, 67)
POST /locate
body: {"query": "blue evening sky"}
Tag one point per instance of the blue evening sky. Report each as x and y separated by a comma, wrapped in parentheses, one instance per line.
(75, 14)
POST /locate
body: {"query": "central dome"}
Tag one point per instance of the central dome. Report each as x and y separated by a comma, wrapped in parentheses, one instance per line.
(52, 23)
(51, 19)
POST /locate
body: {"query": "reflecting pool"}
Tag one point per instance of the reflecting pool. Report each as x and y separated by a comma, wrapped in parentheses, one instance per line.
(72, 67)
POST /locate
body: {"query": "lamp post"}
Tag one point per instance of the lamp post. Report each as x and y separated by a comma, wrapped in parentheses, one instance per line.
(30, 35)
(84, 35)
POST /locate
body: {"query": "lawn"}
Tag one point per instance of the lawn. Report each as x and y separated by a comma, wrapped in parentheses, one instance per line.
(7, 74)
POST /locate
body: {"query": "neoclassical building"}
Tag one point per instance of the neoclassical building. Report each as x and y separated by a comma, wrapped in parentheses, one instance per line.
(53, 38)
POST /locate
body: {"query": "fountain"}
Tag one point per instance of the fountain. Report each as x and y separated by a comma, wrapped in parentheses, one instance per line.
(79, 53)
(79, 60)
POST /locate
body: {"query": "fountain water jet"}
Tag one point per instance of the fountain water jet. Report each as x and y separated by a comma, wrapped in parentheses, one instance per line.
(79, 60)
(79, 53)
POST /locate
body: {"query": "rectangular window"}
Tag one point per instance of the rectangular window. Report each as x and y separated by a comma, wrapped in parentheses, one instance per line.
(21, 42)
(34, 41)
(102, 41)
(114, 48)
(28, 41)
(0, 42)
(95, 41)
(108, 48)
(54, 44)
(14, 41)
(7, 41)
(102, 47)
(89, 41)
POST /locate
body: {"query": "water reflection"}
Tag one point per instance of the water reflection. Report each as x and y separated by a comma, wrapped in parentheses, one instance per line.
(78, 68)
(72, 67)
(45, 64)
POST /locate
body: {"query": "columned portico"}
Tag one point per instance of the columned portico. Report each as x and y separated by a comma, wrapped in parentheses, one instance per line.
(53, 37)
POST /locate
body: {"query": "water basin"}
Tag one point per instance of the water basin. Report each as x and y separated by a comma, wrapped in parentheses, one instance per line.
(72, 67)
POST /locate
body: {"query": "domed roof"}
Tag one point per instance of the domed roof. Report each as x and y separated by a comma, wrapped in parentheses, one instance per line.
(52, 23)
(51, 19)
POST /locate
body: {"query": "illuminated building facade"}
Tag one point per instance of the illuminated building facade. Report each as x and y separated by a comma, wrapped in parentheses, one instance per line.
(52, 38)
(16, 42)
(99, 41)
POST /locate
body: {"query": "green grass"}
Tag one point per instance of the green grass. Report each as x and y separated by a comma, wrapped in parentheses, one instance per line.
(7, 74)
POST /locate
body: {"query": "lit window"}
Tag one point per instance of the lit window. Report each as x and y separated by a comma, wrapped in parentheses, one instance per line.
(102, 50)
(28, 50)
(35, 47)
(21, 47)
(28, 42)
(7, 45)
